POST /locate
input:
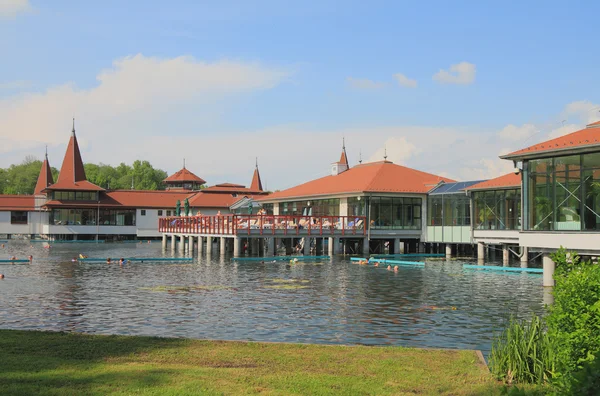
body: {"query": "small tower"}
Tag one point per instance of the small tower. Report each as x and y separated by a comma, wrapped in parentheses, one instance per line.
(256, 184)
(342, 164)
(45, 178)
(184, 180)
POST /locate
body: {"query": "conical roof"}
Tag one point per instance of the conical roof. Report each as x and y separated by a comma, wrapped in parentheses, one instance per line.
(256, 184)
(45, 178)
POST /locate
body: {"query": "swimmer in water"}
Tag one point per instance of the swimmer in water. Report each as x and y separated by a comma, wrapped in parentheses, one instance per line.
(30, 258)
(376, 264)
(122, 261)
(1, 276)
(395, 268)
(389, 267)
(13, 258)
(108, 260)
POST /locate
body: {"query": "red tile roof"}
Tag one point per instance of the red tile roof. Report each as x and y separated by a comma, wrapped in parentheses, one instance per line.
(590, 136)
(505, 181)
(343, 157)
(208, 200)
(72, 173)
(131, 199)
(375, 177)
(45, 178)
(184, 175)
(231, 189)
(17, 202)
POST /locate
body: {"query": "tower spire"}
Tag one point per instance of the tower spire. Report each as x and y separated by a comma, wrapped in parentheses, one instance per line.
(256, 162)
(46, 153)
(184, 163)
(360, 156)
(73, 130)
(384, 153)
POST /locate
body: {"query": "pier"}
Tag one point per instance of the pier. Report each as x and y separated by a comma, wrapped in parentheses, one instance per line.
(262, 234)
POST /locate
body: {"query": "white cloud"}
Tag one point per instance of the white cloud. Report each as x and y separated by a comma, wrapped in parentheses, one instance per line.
(10, 8)
(513, 132)
(397, 149)
(461, 73)
(364, 84)
(405, 81)
(585, 111)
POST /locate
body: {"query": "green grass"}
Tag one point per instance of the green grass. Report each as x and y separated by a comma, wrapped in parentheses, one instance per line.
(45, 363)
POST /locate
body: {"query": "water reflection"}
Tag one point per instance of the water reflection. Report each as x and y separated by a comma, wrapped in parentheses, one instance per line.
(334, 301)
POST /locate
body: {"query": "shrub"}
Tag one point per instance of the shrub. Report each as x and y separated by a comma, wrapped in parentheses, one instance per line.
(584, 382)
(574, 318)
(523, 353)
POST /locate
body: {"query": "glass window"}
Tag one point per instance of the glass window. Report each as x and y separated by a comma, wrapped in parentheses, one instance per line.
(160, 212)
(143, 212)
(18, 217)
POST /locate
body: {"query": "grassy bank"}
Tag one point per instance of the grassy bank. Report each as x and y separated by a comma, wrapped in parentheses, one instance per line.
(60, 363)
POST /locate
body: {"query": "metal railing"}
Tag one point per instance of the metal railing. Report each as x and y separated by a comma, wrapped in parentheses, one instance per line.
(234, 224)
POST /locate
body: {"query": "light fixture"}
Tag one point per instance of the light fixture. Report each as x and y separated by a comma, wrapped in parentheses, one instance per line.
(359, 198)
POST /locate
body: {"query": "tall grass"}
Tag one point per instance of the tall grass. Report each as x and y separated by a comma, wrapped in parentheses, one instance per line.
(523, 353)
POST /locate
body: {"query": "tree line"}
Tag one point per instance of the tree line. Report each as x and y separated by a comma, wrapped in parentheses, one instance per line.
(21, 178)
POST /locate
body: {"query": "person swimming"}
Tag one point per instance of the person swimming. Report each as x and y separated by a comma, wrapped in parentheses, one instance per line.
(13, 258)
(1, 276)
(108, 260)
(30, 258)
(389, 267)
(395, 268)
(363, 262)
(122, 261)
(376, 264)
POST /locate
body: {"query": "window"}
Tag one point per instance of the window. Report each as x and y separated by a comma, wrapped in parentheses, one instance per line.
(160, 212)
(18, 217)
(168, 213)
(143, 212)
(395, 213)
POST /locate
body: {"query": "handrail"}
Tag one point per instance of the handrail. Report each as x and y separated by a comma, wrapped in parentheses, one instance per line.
(236, 224)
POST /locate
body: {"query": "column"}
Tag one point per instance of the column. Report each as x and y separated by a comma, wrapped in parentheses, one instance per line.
(524, 257)
(255, 246)
(505, 255)
(191, 245)
(237, 246)
(448, 250)
(365, 248)
(270, 247)
(222, 245)
(549, 267)
(330, 247)
(306, 246)
(480, 252)
(200, 245)
(164, 242)
(173, 242)
(181, 243)
(397, 247)
(209, 243)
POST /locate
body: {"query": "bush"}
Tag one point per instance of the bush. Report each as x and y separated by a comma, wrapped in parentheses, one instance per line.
(584, 382)
(523, 353)
(574, 318)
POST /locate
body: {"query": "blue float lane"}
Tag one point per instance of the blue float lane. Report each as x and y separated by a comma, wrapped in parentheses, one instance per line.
(280, 258)
(505, 269)
(386, 261)
(134, 259)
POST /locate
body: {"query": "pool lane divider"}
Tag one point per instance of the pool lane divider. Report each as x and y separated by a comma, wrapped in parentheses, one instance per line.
(505, 269)
(134, 259)
(386, 261)
(3, 261)
(409, 255)
(280, 258)
(99, 241)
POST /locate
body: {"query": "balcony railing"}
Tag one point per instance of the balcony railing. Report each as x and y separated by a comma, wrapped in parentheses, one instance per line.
(232, 224)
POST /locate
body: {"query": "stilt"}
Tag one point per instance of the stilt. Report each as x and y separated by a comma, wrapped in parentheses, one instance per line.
(270, 247)
(549, 266)
(480, 252)
(365, 248)
(164, 242)
(209, 243)
(237, 246)
(191, 245)
(402, 247)
(306, 246)
(524, 256)
(200, 245)
(222, 245)
(173, 242)
(181, 243)
(505, 255)
(397, 247)
(448, 250)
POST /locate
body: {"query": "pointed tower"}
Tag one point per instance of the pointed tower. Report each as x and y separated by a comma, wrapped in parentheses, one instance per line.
(342, 164)
(256, 184)
(45, 178)
(72, 174)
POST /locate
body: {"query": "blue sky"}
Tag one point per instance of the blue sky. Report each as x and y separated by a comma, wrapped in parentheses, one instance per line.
(288, 81)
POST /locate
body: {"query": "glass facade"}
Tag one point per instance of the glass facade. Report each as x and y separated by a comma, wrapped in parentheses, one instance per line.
(75, 195)
(395, 213)
(268, 208)
(497, 209)
(356, 206)
(117, 217)
(316, 207)
(18, 217)
(449, 210)
(563, 193)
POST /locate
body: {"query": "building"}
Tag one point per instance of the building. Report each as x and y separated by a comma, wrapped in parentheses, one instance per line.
(75, 209)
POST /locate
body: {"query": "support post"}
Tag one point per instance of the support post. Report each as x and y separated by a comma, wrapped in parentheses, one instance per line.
(222, 245)
(181, 243)
(505, 255)
(237, 246)
(549, 266)
(173, 242)
(164, 242)
(448, 250)
(397, 248)
(209, 243)
(524, 256)
(365, 249)
(270, 247)
(306, 246)
(480, 252)
(191, 245)
(200, 245)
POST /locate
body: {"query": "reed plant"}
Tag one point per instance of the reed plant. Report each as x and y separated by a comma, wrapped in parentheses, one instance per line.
(523, 353)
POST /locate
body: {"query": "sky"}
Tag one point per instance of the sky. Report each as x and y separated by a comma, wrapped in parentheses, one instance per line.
(443, 87)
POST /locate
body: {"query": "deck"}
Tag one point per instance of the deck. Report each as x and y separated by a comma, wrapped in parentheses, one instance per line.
(267, 225)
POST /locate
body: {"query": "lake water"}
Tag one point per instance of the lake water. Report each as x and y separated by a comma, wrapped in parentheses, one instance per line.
(325, 302)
